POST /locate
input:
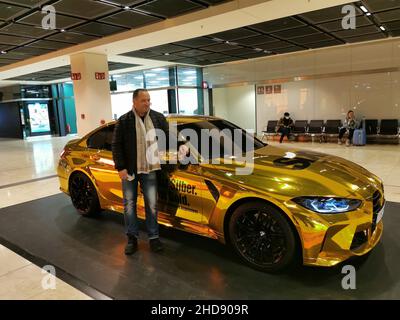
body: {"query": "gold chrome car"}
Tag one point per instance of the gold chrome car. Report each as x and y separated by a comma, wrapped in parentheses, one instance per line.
(318, 207)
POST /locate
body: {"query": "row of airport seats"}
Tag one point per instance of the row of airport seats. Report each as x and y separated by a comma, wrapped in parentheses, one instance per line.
(385, 131)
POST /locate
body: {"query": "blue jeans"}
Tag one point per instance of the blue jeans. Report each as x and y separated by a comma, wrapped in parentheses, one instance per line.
(148, 183)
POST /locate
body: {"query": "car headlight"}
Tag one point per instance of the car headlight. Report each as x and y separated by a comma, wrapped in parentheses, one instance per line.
(328, 205)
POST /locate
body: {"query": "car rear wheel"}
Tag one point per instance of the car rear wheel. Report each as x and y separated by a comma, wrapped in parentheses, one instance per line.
(262, 236)
(84, 195)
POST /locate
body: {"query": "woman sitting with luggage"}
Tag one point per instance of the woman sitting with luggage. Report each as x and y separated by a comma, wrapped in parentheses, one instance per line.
(349, 124)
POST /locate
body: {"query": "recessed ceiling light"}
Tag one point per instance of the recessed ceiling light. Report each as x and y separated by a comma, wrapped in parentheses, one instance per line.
(368, 14)
(364, 9)
(62, 30)
(127, 7)
(166, 54)
(3, 52)
(382, 28)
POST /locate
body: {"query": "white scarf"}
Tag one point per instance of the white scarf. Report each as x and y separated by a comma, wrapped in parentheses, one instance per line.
(146, 145)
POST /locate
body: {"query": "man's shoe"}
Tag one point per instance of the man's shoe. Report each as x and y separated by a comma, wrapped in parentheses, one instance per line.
(132, 246)
(156, 245)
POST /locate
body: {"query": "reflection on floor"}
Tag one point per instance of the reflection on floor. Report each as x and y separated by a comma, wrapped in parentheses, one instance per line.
(23, 161)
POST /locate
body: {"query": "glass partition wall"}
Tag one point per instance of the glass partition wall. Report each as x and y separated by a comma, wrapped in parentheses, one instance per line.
(176, 89)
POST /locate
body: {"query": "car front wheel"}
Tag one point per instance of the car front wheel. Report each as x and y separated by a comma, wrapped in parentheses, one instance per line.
(262, 236)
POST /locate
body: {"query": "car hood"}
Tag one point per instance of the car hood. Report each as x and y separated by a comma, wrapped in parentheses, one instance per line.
(292, 172)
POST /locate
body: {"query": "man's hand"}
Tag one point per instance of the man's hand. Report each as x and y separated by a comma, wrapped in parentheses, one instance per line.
(123, 174)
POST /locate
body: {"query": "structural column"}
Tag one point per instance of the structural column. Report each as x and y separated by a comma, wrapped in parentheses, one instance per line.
(89, 72)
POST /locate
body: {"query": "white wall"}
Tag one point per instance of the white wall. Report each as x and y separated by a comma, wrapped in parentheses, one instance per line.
(361, 87)
(236, 104)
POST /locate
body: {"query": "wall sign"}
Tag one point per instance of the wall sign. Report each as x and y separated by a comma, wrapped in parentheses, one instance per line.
(100, 75)
(268, 89)
(277, 88)
(260, 90)
(76, 76)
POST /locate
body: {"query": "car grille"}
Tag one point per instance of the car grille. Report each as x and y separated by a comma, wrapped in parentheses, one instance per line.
(377, 204)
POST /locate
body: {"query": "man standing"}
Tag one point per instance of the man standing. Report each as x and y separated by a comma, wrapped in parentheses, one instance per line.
(130, 150)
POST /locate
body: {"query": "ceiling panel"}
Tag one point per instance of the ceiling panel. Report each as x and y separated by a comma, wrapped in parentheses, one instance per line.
(367, 37)
(45, 44)
(388, 15)
(7, 11)
(7, 61)
(289, 49)
(29, 51)
(130, 19)
(169, 8)
(84, 8)
(98, 29)
(322, 44)
(72, 37)
(196, 42)
(312, 38)
(25, 31)
(7, 39)
(275, 45)
(240, 51)
(221, 47)
(278, 25)
(394, 25)
(357, 32)
(380, 5)
(212, 56)
(169, 57)
(62, 22)
(253, 41)
(235, 34)
(28, 3)
(167, 48)
(296, 32)
(361, 21)
(324, 15)
(192, 53)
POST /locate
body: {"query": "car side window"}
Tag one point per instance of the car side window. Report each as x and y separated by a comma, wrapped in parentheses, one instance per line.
(101, 139)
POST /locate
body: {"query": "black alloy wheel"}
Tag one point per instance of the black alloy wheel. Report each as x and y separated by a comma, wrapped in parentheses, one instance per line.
(262, 236)
(83, 195)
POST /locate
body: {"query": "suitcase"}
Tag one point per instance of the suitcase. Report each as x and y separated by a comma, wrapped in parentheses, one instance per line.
(359, 137)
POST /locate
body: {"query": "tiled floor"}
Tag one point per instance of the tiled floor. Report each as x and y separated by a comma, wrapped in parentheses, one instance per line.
(23, 161)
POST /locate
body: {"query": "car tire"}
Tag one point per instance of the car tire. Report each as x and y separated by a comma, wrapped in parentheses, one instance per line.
(84, 195)
(262, 236)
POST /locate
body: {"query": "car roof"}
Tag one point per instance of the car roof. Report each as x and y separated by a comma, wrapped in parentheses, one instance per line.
(181, 119)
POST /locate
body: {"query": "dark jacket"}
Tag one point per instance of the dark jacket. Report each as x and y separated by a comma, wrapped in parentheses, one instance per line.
(124, 139)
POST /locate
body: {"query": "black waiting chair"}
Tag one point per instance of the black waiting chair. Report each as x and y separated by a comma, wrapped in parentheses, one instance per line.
(300, 127)
(315, 129)
(270, 130)
(332, 127)
(371, 130)
(389, 127)
(389, 131)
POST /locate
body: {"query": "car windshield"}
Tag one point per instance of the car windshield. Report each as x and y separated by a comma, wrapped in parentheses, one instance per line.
(218, 138)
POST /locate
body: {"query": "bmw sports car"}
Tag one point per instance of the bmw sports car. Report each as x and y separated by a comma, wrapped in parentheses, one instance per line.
(293, 205)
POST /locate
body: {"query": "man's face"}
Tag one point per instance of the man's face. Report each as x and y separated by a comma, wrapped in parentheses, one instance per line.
(142, 103)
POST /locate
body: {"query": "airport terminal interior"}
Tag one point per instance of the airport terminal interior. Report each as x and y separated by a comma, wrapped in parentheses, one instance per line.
(331, 186)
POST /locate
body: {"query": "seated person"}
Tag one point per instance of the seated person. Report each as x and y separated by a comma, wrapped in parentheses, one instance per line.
(349, 124)
(285, 125)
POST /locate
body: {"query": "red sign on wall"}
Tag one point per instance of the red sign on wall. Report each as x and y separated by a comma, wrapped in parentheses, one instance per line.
(76, 76)
(100, 75)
